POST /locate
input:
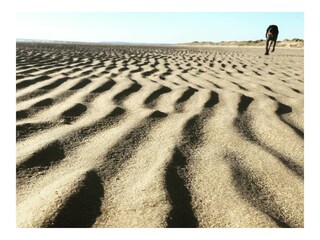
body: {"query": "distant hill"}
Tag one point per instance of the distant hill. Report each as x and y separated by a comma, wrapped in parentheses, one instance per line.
(295, 42)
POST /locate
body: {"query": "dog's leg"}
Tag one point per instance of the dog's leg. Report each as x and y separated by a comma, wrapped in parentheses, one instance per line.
(274, 45)
(267, 47)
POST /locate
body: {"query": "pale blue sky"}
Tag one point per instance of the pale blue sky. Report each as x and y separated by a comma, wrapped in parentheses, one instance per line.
(157, 27)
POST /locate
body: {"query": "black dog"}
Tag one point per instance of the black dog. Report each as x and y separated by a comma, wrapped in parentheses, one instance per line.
(271, 35)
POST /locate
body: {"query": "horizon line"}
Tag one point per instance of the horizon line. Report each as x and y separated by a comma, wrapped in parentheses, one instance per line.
(124, 42)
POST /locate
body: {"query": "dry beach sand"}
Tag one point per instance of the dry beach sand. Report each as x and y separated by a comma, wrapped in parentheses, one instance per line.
(156, 136)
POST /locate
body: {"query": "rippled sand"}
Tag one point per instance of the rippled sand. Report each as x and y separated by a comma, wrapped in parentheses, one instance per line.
(142, 136)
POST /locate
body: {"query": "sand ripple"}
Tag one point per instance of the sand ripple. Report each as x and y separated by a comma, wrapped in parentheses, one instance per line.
(137, 136)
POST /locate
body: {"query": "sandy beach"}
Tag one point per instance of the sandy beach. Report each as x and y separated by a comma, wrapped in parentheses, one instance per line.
(159, 136)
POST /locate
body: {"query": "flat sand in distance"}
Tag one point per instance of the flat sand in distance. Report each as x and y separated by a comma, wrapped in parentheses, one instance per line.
(159, 136)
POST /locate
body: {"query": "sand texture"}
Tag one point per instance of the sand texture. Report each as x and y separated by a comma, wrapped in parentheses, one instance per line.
(155, 136)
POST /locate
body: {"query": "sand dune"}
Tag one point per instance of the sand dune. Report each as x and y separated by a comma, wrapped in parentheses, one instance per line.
(154, 136)
(293, 43)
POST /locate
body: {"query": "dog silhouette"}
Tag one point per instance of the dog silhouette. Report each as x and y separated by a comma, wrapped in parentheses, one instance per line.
(271, 35)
